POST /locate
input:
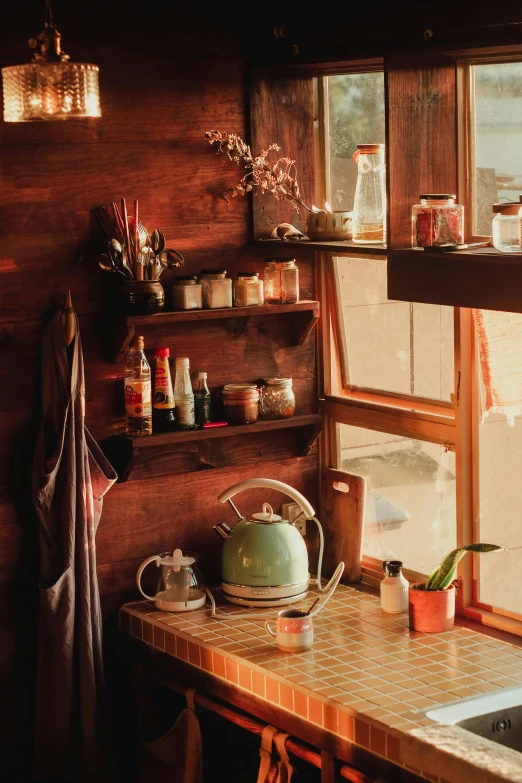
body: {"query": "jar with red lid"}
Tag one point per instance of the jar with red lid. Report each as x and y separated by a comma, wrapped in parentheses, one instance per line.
(437, 220)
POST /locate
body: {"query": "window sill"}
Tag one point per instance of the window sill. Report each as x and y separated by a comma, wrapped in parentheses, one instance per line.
(345, 246)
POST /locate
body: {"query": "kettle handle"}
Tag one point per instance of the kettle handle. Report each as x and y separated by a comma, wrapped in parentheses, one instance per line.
(143, 566)
(301, 501)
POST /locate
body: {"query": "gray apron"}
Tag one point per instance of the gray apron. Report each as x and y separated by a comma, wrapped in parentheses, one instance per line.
(69, 479)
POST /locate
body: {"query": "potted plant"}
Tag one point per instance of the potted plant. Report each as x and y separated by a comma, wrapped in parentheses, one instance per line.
(432, 603)
(276, 174)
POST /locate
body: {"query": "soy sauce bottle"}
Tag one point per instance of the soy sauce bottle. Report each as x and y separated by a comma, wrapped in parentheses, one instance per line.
(202, 400)
(163, 404)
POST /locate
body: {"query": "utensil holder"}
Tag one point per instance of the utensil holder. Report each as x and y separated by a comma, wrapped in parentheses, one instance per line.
(142, 297)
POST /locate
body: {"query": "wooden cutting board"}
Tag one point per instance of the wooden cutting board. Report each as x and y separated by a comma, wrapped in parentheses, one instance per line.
(343, 498)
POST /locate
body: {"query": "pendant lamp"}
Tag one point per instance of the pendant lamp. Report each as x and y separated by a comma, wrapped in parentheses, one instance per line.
(50, 87)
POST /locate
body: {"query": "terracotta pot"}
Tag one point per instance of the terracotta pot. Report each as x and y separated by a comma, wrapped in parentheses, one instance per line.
(328, 226)
(431, 611)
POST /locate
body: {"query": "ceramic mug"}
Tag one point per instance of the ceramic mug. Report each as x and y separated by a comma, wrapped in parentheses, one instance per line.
(294, 630)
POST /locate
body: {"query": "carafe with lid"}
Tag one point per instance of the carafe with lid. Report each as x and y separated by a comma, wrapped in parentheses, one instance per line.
(394, 588)
(369, 207)
(180, 586)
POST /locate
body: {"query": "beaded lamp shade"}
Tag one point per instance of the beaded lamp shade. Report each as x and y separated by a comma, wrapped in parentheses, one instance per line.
(50, 87)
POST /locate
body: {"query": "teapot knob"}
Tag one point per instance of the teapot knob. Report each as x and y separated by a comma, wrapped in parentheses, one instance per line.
(177, 556)
(268, 510)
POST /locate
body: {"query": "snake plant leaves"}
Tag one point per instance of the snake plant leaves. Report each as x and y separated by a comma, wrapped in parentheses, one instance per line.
(444, 575)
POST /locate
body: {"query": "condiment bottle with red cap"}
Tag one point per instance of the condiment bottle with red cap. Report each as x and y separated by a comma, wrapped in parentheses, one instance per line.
(163, 419)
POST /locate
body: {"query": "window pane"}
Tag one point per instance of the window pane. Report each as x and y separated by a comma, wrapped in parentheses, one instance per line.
(392, 346)
(355, 116)
(497, 139)
(410, 504)
(500, 503)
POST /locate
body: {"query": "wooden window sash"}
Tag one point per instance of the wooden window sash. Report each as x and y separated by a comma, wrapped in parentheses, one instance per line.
(465, 135)
(339, 381)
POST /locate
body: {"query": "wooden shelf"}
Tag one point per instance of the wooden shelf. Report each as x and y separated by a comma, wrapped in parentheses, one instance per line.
(481, 278)
(344, 245)
(305, 316)
(123, 451)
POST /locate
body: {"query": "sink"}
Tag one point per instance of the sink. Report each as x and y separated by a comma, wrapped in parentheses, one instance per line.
(496, 716)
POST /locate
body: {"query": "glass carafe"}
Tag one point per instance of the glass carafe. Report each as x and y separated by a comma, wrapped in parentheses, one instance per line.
(180, 585)
(369, 207)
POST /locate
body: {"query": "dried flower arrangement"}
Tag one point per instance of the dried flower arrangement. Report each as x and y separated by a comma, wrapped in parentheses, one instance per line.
(276, 176)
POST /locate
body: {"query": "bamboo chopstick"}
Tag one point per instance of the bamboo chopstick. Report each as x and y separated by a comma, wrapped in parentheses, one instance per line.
(118, 222)
(127, 236)
(139, 265)
(104, 220)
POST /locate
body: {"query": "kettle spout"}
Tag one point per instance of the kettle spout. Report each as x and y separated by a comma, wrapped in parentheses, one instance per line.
(223, 530)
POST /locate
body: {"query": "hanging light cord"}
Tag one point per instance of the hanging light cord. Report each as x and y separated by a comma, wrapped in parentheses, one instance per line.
(48, 14)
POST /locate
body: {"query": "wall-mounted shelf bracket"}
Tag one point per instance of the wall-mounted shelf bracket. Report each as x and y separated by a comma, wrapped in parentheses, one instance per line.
(123, 452)
(304, 315)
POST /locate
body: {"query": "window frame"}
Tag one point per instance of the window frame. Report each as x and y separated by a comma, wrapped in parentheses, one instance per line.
(414, 83)
(465, 84)
(453, 424)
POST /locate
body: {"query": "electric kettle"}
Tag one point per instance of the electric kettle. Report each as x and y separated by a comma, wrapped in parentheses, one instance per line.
(264, 561)
(180, 584)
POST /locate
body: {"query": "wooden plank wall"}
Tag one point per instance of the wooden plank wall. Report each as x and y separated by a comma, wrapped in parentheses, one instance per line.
(165, 79)
(420, 111)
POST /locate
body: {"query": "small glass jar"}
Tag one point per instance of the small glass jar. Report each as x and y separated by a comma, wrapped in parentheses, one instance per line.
(281, 279)
(277, 400)
(248, 289)
(505, 226)
(241, 403)
(217, 288)
(187, 293)
(437, 220)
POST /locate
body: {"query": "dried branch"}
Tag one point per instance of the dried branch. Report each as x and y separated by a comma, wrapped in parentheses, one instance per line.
(276, 176)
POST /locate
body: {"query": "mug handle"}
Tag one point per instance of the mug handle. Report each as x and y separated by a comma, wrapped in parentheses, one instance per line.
(268, 628)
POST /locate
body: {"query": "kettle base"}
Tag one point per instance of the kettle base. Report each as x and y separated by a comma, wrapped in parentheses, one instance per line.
(244, 595)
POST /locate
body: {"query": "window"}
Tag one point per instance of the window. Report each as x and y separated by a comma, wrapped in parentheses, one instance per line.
(498, 517)
(411, 495)
(404, 348)
(495, 100)
(388, 400)
(397, 369)
(401, 392)
(355, 115)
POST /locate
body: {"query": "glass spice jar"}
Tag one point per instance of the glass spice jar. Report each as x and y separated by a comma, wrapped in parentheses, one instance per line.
(216, 288)
(505, 226)
(241, 403)
(277, 399)
(437, 220)
(281, 281)
(248, 289)
(187, 293)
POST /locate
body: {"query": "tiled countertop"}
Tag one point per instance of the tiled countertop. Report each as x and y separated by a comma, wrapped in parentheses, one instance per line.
(366, 678)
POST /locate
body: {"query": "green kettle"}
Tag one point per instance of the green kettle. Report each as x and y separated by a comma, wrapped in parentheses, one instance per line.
(264, 561)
